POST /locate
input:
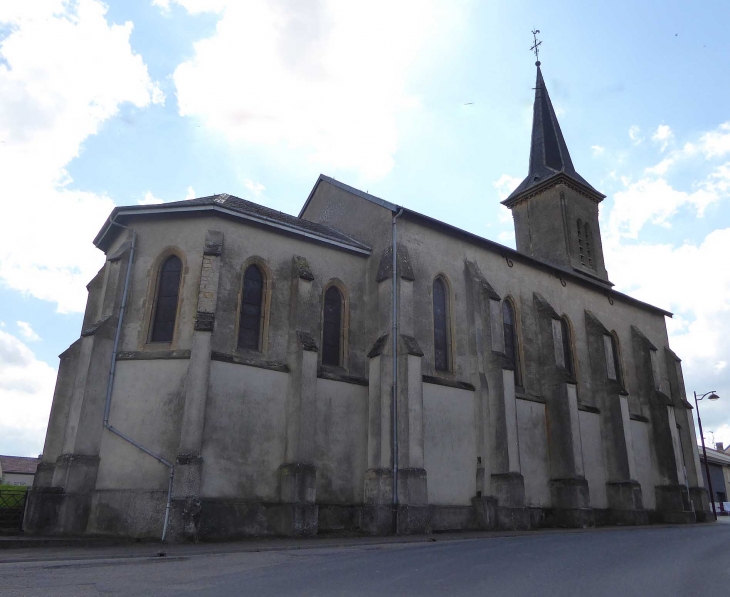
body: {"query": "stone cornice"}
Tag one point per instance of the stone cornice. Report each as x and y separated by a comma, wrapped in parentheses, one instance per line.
(559, 178)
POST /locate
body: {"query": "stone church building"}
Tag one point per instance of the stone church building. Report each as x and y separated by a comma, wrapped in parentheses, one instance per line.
(363, 367)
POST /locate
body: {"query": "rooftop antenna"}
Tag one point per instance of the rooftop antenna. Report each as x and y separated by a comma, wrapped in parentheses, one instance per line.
(536, 46)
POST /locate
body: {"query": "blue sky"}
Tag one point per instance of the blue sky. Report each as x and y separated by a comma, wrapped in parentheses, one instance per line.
(159, 100)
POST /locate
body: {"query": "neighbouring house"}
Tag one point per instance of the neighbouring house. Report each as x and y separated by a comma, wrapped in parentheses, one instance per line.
(18, 470)
(363, 367)
(718, 461)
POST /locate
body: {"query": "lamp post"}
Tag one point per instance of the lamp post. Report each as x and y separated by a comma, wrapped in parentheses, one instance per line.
(712, 396)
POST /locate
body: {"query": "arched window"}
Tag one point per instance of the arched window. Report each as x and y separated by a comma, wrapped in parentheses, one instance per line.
(252, 309)
(168, 289)
(589, 251)
(618, 371)
(581, 249)
(511, 341)
(440, 325)
(332, 329)
(567, 346)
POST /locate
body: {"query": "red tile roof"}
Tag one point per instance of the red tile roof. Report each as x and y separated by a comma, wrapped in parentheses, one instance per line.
(19, 464)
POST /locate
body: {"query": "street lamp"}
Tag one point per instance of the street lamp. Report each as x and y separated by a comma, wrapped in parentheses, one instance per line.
(711, 396)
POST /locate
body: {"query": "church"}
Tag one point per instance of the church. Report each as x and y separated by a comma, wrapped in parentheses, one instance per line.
(365, 368)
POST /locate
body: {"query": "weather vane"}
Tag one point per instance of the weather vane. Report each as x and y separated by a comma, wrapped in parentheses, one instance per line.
(536, 46)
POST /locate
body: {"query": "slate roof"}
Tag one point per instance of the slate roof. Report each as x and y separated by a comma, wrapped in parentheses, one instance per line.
(229, 203)
(549, 156)
(19, 464)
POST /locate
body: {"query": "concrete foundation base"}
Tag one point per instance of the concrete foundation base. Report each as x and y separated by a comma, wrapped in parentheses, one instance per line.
(572, 504)
(226, 520)
(701, 504)
(673, 504)
(513, 519)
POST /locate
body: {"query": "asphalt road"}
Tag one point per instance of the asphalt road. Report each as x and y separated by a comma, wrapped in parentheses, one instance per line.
(666, 561)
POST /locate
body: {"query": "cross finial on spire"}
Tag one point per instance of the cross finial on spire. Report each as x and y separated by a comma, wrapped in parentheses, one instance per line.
(536, 47)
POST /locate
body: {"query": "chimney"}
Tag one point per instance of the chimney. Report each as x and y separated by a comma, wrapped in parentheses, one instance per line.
(719, 446)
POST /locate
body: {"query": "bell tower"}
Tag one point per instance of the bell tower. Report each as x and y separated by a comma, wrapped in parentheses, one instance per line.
(555, 210)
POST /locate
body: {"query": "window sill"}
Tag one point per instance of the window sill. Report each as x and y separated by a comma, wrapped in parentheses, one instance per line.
(250, 362)
(530, 398)
(339, 374)
(448, 382)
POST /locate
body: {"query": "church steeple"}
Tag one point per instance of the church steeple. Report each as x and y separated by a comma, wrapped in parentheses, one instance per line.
(555, 209)
(549, 155)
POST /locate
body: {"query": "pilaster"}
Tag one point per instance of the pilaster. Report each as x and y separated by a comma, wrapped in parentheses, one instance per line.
(623, 491)
(568, 486)
(77, 425)
(298, 474)
(688, 451)
(672, 494)
(189, 461)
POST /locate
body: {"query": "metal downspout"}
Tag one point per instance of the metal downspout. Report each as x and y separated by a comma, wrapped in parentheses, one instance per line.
(113, 370)
(394, 397)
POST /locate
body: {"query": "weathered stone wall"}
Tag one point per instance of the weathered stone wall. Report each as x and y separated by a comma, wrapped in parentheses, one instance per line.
(534, 463)
(273, 442)
(450, 445)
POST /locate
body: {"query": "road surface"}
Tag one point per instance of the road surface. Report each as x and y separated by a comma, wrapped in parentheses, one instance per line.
(666, 561)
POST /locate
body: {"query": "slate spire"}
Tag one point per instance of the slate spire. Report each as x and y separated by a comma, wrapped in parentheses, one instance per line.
(549, 154)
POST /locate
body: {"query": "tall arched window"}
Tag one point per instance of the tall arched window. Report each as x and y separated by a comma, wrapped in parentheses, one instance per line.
(581, 249)
(440, 325)
(168, 289)
(618, 370)
(567, 346)
(589, 241)
(332, 329)
(252, 309)
(511, 341)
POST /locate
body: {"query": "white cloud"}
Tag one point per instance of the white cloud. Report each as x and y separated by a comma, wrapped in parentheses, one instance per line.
(326, 77)
(635, 134)
(663, 135)
(26, 392)
(716, 143)
(27, 331)
(64, 70)
(163, 5)
(597, 149)
(507, 237)
(720, 366)
(505, 184)
(255, 188)
(149, 199)
(651, 200)
(191, 193)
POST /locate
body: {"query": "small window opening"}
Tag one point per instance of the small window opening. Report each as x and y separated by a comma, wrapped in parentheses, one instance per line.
(580, 242)
(589, 253)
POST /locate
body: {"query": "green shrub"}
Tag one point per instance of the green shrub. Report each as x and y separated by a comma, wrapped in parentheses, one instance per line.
(12, 496)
